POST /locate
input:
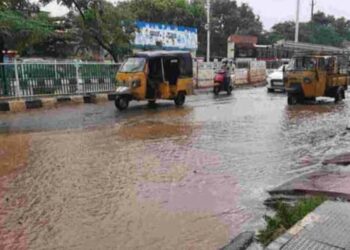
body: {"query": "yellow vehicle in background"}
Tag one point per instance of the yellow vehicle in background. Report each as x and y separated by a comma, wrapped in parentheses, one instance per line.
(155, 75)
(311, 76)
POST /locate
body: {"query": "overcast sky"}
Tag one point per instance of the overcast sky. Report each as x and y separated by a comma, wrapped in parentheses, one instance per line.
(270, 11)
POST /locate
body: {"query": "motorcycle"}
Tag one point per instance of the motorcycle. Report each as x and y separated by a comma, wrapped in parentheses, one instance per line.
(221, 83)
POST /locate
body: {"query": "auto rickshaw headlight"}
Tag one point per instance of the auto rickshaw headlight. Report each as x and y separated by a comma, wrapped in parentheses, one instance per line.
(136, 83)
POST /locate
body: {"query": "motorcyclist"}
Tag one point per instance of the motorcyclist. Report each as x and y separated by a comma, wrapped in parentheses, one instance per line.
(227, 72)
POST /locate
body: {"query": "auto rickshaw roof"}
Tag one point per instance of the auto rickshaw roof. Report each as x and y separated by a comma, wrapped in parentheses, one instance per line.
(160, 53)
(321, 54)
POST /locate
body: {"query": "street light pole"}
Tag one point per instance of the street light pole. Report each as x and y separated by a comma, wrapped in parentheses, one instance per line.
(208, 30)
(297, 22)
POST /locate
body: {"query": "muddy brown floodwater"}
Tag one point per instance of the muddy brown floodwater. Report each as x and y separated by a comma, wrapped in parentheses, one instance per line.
(90, 177)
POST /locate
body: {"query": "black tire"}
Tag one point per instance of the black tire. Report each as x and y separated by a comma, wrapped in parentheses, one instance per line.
(310, 99)
(229, 90)
(180, 99)
(216, 90)
(270, 90)
(292, 99)
(339, 95)
(121, 102)
(151, 103)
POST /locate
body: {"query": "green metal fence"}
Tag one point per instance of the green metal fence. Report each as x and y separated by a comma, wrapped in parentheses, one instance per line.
(32, 79)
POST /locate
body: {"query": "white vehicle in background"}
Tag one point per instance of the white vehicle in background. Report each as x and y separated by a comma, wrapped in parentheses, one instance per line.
(275, 80)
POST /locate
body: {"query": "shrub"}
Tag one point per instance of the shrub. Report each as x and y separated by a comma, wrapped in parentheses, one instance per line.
(287, 216)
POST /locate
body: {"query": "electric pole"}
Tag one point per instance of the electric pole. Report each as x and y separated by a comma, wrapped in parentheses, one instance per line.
(297, 22)
(313, 3)
(208, 30)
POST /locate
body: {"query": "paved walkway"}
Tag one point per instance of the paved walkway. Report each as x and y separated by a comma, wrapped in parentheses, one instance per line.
(328, 228)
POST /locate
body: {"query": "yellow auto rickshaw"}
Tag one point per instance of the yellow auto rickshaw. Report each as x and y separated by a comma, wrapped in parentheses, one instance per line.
(310, 76)
(155, 75)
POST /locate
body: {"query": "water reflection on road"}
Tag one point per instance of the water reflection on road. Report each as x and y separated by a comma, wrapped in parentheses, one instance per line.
(90, 177)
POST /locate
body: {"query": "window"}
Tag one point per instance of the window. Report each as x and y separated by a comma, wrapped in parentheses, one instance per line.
(186, 69)
(133, 64)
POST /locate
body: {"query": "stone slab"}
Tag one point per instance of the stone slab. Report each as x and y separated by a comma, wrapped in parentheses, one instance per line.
(342, 159)
(330, 184)
(241, 242)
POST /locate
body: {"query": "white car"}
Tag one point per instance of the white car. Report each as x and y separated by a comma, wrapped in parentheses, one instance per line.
(275, 80)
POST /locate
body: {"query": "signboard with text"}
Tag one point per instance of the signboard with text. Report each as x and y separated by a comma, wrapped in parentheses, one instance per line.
(165, 36)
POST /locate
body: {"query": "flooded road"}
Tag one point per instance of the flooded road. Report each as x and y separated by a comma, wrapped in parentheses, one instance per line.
(90, 177)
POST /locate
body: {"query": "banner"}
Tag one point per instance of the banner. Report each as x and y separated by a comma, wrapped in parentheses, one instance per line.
(165, 36)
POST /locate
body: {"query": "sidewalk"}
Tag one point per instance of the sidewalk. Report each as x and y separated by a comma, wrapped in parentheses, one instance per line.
(21, 105)
(328, 227)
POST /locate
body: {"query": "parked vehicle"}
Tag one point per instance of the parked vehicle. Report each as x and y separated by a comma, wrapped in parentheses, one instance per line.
(310, 76)
(275, 80)
(222, 79)
(155, 75)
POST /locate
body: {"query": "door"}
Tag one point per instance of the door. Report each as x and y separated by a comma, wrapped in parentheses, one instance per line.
(155, 77)
(321, 77)
(164, 87)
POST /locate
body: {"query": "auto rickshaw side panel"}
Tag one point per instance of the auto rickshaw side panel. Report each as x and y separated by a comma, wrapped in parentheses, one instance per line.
(164, 90)
(337, 80)
(309, 82)
(320, 82)
(184, 85)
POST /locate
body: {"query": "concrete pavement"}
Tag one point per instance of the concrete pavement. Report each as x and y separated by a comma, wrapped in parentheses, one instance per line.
(327, 227)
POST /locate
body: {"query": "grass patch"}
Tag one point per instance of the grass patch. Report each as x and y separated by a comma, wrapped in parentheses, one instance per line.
(287, 216)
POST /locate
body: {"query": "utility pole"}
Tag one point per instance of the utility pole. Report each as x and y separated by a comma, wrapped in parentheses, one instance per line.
(208, 30)
(297, 22)
(313, 3)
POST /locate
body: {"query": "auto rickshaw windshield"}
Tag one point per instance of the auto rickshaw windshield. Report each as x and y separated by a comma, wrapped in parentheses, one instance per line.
(133, 64)
(302, 63)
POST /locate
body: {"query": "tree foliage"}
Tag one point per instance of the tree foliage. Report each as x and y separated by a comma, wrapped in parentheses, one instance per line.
(228, 18)
(21, 25)
(103, 23)
(323, 29)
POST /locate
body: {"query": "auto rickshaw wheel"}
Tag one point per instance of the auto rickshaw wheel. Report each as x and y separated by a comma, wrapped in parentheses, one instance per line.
(122, 102)
(180, 99)
(339, 95)
(151, 103)
(216, 90)
(229, 90)
(292, 99)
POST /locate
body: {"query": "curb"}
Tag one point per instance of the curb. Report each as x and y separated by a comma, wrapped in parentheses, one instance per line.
(241, 242)
(21, 105)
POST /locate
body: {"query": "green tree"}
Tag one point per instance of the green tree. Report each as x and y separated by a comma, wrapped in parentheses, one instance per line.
(322, 19)
(62, 43)
(228, 18)
(323, 29)
(108, 26)
(21, 25)
(326, 35)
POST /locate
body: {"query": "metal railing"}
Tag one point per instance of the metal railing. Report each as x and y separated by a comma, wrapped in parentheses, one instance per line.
(33, 79)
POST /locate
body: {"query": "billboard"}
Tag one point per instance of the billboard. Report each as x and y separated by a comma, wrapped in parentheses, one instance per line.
(166, 36)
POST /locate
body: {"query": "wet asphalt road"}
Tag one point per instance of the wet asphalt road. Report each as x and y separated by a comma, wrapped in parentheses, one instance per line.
(90, 177)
